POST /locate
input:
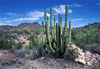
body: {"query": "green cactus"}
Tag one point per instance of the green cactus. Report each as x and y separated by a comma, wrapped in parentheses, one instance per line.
(61, 30)
(48, 39)
(65, 32)
(54, 29)
(45, 14)
(42, 33)
(45, 17)
(69, 33)
(51, 21)
(55, 41)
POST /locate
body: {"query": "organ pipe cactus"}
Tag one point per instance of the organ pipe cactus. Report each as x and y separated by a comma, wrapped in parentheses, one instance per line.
(51, 21)
(56, 37)
(54, 29)
(45, 17)
(69, 33)
(42, 33)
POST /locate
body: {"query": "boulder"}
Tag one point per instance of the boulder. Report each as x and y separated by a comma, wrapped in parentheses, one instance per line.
(81, 55)
(87, 58)
(92, 59)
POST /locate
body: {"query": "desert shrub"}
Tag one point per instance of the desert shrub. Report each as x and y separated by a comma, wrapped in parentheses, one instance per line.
(84, 36)
(98, 37)
(25, 30)
(71, 54)
(26, 46)
(5, 44)
(37, 32)
(19, 45)
(35, 53)
(19, 31)
(34, 41)
(32, 53)
(21, 53)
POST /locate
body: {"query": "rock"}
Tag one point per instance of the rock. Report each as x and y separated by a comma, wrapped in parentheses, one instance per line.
(27, 56)
(88, 57)
(81, 55)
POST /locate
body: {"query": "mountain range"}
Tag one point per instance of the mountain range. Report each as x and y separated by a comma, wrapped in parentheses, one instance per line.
(36, 25)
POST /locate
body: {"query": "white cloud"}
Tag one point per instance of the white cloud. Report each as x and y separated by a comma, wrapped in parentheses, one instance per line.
(3, 24)
(35, 14)
(98, 4)
(10, 13)
(70, 11)
(75, 5)
(78, 19)
(27, 18)
(61, 9)
(8, 21)
(32, 16)
(3, 18)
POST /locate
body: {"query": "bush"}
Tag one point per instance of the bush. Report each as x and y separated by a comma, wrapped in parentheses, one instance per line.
(71, 54)
(19, 45)
(21, 54)
(5, 44)
(26, 46)
(27, 31)
(34, 41)
(84, 36)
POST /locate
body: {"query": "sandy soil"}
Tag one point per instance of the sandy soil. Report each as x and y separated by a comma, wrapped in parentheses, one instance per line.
(44, 63)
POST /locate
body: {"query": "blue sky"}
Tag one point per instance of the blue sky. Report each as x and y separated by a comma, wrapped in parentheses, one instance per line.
(80, 12)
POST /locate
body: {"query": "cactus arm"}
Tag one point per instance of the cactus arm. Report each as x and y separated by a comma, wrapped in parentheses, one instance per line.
(51, 21)
(61, 31)
(45, 14)
(69, 33)
(59, 34)
(48, 39)
(54, 29)
(42, 33)
(65, 30)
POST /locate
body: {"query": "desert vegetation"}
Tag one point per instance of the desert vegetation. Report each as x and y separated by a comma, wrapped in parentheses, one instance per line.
(53, 43)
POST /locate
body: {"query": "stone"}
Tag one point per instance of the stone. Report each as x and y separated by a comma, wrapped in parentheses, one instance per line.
(81, 55)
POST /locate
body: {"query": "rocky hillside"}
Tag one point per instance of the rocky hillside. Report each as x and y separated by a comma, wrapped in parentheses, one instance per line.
(34, 25)
(93, 25)
(4, 27)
